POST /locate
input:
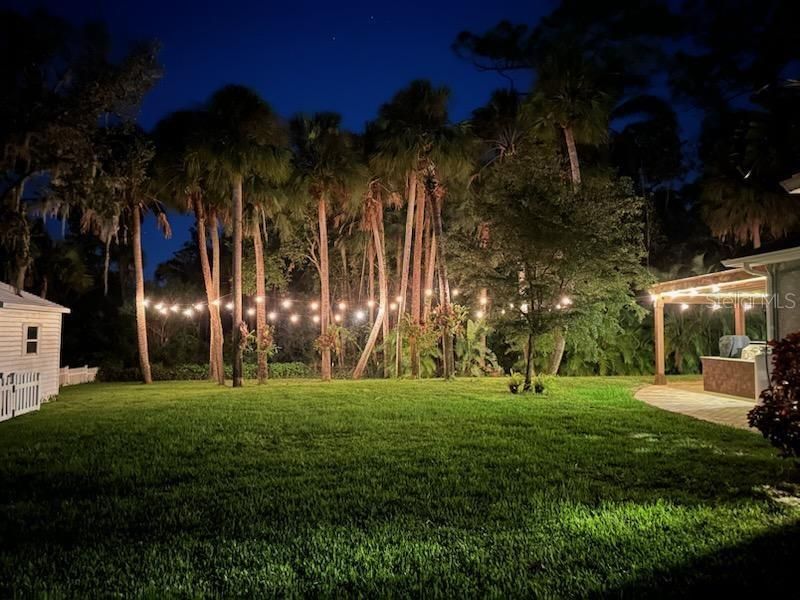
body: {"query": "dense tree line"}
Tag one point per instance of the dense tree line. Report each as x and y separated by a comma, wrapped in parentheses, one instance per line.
(548, 210)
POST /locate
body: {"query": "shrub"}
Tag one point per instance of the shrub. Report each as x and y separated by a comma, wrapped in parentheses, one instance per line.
(777, 416)
(198, 372)
(515, 382)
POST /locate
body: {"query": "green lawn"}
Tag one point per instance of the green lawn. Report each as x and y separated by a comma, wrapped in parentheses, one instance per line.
(384, 488)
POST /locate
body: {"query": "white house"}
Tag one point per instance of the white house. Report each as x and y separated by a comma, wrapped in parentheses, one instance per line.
(30, 339)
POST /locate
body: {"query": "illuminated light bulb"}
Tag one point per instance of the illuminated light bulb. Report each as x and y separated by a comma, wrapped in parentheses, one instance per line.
(315, 306)
(159, 306)
(653, 297)
(272, 316)
(715, 289)
(479, 314)
(294, 318)
(198, 307)
(523, 307)
(370, 303)
(251, 311)
(286, 303)
(456, 292)
(511, 305)
(393, 306)
(359, 315)
(229, 306)
(484, 300)
(399, 299)
(748, 306)
(684, 306)
(174, 308)
(216, 302)
(566, 301)
(693, 292)
(315, 318)
(188, 312)
(162, 310)
(342, 305)
(259, 299)
(558, 306)
(429, 292)
(337, 318)
(503, 311)
(146, 302)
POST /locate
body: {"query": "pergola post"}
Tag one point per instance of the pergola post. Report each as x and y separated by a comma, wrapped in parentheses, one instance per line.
(739, 325)
(658, 336)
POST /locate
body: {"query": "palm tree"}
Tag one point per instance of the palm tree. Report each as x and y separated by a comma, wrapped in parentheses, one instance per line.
(328, 172)
(245, 140)
(181, 175)
(413, 134)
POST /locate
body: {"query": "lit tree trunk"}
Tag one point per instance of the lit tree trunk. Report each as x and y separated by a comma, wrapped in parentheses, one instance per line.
(756, 235)
(371, 284)
(324, 284)
(416, 279)
(383, 288)
(208, 281)
(237, 281)
(572, 152)
(430, 268)
(412, 195)
(213, 307)
(141, 317)
(261, 306)
(528, 364)
(575, 171)
(448, 362)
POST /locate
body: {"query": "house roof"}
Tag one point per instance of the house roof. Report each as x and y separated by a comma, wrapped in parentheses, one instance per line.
(765, 258)
(792, 185)
(9, 298)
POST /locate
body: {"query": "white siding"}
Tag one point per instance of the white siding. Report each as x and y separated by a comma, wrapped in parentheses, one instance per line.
(12, 347)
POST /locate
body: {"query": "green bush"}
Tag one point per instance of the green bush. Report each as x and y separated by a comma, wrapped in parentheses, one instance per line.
(194, 372)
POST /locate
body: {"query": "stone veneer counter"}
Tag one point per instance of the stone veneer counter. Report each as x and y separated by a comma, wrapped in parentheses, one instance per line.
(732, 376)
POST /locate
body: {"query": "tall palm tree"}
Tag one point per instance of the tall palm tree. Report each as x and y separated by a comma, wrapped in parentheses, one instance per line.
(245, 141)
(183, 177)
(328, 172)
(413, 130)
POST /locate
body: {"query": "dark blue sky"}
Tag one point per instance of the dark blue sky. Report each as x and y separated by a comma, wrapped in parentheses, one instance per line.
(301, 56)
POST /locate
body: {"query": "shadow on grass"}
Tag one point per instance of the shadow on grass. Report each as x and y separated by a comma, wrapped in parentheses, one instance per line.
(764, 566)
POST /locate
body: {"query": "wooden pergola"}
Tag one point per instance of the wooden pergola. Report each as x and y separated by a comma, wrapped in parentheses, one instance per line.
(738, 288)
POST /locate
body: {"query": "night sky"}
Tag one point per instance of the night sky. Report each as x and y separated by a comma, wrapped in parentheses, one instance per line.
(301, 56)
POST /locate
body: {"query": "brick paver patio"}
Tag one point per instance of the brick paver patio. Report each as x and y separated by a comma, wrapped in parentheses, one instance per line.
(723, 410)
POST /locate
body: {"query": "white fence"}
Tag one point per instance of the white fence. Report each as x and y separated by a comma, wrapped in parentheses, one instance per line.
(74, 376)
(19, 393)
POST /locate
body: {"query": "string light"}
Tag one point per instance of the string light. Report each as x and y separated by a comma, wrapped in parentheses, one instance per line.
(199, 307)
(342, 305)
(455, 293)
(286, 303)
(399, 299)
(503, 311)
(174, 308)
(260, 299)
(315, 305)
(146, 302)
(359, 315)
(337, 317)
(159, 306)
(315, 318)
(251, 311)
(479, 314)
(566, 301)
(294, 318)
(511, 305)
(272, 316)
(393, 306)
(484, 300)
(429, 292)
(216, 302)
(162, 310)
(684, 306)
(188, 312)
(370, 303)
(229, 306)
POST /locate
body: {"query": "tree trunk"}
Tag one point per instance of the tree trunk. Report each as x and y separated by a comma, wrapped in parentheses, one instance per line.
(261, 306)
(448, 361)
(572, 152)
(416, 279)
(484, 307)
(213, 306)
(44, 287)
(208, 281)
(371, 284)
(756, 235)
(529, 364)
(106, 266)
(401, 305)
(559, 342)
(385, 284)
(141, 317)
(430, 268)
(237, 281)
(324, 284)
(383, 288)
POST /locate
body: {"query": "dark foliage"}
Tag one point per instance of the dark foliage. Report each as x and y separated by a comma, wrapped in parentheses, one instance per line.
(777, 417)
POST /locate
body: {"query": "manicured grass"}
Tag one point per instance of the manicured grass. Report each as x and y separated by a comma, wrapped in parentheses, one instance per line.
(384, 488)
